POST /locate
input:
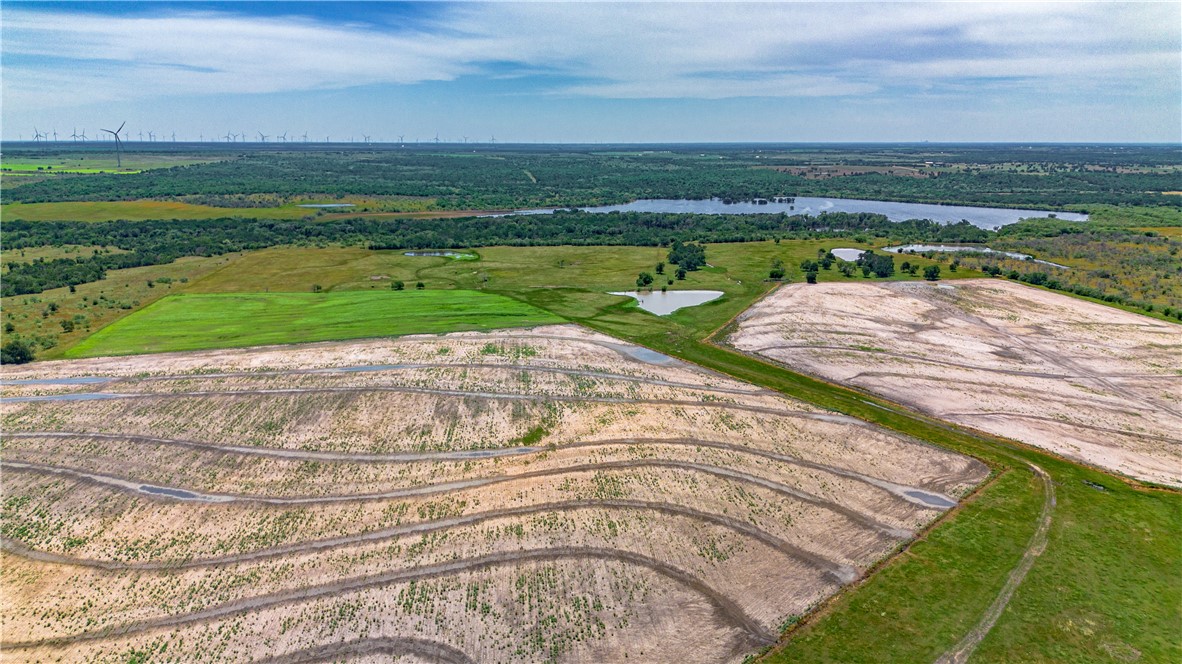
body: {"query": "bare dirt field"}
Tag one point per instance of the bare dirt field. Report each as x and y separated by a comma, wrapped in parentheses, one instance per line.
(1086, 381)
(532, 495)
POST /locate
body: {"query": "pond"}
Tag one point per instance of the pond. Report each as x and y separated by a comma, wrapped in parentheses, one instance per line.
(664, 303)
(445, 254)
(981, 217)
(850, 255)
(920, 248)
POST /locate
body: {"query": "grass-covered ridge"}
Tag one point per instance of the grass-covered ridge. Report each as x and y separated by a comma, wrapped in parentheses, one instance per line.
(226, 320)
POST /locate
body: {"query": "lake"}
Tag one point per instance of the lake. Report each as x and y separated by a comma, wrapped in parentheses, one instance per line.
(953, 248)
(664, 303)
(981, 217)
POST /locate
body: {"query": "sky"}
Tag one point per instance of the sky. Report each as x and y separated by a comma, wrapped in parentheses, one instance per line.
(586, 72)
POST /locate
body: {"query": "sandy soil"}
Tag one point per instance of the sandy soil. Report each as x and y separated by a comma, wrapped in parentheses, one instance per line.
(1090, 382)
(546, 494)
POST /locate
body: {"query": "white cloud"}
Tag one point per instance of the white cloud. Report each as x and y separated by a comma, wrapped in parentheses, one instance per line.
(649, 50)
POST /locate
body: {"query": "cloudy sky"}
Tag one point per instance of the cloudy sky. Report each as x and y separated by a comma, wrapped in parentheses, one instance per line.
(595, 72)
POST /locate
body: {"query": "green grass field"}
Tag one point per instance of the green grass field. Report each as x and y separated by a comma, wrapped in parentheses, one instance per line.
(140, 211)
(201, 321)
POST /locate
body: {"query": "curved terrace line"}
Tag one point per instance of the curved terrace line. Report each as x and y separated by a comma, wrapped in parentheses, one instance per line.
(915, 495)
(434, 651)
(368, 368)
(183, 494)
(496, 396)
(730, 609)
(843, 574)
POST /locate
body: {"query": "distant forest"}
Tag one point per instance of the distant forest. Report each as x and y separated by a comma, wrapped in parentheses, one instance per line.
(505, 179)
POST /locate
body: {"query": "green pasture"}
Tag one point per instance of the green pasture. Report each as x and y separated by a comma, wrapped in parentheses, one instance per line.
(141, 211)
(200, 321)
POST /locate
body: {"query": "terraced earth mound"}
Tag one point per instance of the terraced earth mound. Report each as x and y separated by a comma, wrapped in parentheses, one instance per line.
(1086, 381)
(548, 494)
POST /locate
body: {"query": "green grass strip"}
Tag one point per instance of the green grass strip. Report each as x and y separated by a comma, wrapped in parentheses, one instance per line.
(228, 320)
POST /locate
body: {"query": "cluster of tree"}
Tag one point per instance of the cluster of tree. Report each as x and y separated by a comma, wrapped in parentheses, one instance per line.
(687, 256)
(880, 265)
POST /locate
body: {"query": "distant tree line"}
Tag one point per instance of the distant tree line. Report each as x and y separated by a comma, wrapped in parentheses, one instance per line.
(522, 179)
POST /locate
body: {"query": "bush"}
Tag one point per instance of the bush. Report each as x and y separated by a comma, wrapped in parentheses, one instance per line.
(931, 272)
(16, 352)
(398, 285)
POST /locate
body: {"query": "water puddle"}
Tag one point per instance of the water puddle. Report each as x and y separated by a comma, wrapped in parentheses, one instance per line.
(663, 303)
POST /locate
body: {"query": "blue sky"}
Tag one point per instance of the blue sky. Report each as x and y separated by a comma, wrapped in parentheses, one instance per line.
(598, 72)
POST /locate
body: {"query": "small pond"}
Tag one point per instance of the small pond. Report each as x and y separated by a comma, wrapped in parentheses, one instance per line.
(664, 303)
(326, 205)
(845, 254)
(920, 248)
(443, 254)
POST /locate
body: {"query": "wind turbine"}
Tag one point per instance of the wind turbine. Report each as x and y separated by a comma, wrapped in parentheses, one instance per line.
(436, 138)
(118, 144)
(230, 137)
(465, 140)
(83, 136)
(283, 137)
(36, 134)
(174, 137)
(400, 137)
(74, 136)
(493, 140)
(151, 137)
(366, 139)
(55, 136)
(305, 137)
(141, 137)
(263, 136)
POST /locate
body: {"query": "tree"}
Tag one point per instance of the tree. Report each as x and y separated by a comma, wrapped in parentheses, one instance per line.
(16, 351)
(644, 279)
(808, 265)
(953, 265)
(931, 272)
(811, 276)
(681, 274)
(398, 285)
(316, 288)
(777, 271)
(67, 325)
(689, 256)
(661, 268)
(420, 286)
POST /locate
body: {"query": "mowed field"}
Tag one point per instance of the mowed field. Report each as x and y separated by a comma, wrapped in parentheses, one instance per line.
(141, 211)
(1083, 380)
(198, 321)
(549, 494)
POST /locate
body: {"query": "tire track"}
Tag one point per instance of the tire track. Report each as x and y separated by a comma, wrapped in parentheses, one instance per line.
(495, 396)
(843, 574)
(733, 613)
(366, 368)
(159, 492)
(915, 495)
(434, 651)
(960, 653)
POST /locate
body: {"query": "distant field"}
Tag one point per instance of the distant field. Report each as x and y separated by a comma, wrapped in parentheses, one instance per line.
(139, 211)
(192, 322)
(30, 254)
